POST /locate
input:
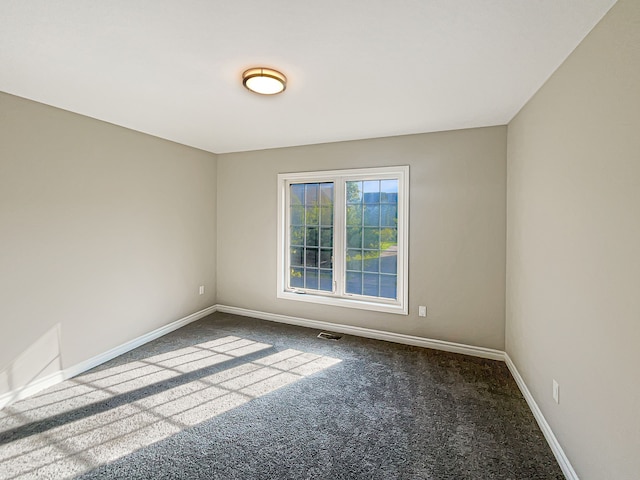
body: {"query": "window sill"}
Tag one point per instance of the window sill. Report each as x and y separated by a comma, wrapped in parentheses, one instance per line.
(344, 302)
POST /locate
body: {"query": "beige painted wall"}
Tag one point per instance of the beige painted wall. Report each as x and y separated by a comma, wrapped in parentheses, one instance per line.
(573, 249)
(105, 235)
(457, 231)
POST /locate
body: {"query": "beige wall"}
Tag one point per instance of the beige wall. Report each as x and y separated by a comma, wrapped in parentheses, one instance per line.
(105, 235)
(457, 231)
(573, 249)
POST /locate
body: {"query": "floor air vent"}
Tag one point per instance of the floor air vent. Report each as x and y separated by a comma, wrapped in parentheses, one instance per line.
(329, 336)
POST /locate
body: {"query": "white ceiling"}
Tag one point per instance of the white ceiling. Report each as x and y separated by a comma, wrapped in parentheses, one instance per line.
(356, 69)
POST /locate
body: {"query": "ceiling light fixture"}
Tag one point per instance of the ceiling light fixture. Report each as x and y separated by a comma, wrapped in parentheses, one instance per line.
(264, 81)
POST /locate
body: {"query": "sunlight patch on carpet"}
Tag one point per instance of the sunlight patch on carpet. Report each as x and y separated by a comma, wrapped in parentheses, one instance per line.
(109, 413)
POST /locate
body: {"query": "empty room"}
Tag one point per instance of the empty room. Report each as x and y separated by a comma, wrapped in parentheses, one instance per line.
(324, 240)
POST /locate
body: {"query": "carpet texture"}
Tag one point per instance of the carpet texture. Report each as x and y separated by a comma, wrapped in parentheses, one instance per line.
(230, 397)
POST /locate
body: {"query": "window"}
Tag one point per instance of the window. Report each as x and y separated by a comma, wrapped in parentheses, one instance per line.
(342, 238)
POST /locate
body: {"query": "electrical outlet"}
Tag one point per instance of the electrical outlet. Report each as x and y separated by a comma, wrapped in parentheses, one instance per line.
(556, 392)
(422, 311)
(201, 289)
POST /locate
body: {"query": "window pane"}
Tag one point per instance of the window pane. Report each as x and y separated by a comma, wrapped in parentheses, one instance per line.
(313, 215)
(354, 214)
(371, 238)
(326, 194)
(354, 192)
(312, 237)
(297, 258)
(297, 236)
(371, 261)
(370, 284)
(326, 237)
(326, 215)
(354, 260)
(371, 191)
(296, 278)
(326, 280)
(388, 236)
(388, 286)
(325, 258)
(354, 283)
(372, 215)
(311, 257)
(354, 237)
(297, 194)
(389, 260)
(297, 215)
(311, 193)
(388, 215)
(311, 278)
(389, 191)
(389, 250)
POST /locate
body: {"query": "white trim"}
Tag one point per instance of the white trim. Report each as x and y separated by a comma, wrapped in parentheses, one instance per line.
(345, 302)
(369, 333)
(62, 375)
(557, 450)
(338, 297)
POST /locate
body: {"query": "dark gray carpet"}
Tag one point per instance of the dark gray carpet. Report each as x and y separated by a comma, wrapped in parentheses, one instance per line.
(236, 398)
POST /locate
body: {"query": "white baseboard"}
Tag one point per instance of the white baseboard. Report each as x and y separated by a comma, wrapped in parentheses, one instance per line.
(557, 450)
(32, 388)
(62, 375)
(136, 342)
(368, 333)
(489, 353)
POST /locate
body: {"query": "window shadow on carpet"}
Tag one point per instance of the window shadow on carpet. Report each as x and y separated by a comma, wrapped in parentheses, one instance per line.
(111, 412)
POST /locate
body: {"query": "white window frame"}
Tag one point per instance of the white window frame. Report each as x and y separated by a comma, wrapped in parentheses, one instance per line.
(338, 297)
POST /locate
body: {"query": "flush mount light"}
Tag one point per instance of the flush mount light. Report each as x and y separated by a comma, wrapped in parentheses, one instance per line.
(264, 81)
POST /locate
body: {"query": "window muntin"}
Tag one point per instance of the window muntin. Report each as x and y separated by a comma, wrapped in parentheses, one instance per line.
(342, 238)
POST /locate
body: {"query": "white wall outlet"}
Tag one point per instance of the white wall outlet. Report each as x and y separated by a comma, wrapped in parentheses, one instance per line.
(422, 311)
(556, 392)
(201, 289)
